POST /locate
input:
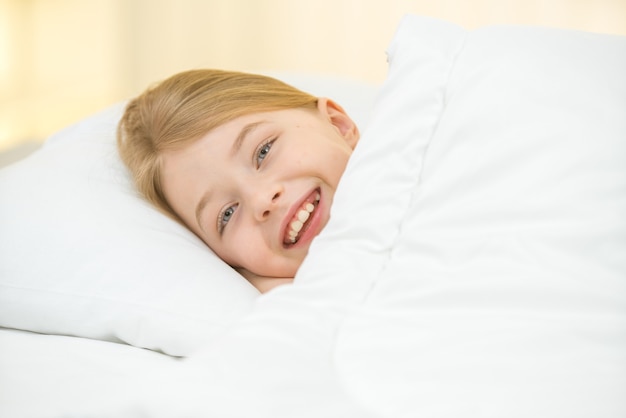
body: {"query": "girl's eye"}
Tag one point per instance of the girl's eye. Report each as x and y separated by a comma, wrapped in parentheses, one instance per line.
(224, 217)
(262, 152)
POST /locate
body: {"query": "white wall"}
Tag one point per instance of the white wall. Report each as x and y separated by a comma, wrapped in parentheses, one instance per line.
(61, 60)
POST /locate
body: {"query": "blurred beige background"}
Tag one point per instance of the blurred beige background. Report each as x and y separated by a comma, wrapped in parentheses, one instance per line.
(61, 60)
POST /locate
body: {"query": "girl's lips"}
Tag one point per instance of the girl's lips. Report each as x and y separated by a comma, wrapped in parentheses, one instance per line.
(302, 220)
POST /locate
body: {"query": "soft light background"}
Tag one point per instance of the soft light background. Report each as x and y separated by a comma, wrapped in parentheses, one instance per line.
(61, 60)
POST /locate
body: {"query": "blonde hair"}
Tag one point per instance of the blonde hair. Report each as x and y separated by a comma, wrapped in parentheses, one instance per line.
(185, 107)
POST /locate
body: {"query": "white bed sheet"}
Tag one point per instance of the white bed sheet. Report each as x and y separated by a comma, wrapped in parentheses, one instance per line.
(52, 375)
(57, 376)
(47, 376)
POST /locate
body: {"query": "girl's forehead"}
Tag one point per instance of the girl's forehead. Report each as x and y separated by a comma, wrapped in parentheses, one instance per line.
(241, 125)
(230, 135)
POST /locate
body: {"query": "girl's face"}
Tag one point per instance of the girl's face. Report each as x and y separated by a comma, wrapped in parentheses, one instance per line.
(259, 188)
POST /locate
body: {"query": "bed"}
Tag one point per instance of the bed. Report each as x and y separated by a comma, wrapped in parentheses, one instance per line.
(474, 264)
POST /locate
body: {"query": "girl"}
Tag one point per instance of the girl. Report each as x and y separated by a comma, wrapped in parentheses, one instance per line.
(246, 162)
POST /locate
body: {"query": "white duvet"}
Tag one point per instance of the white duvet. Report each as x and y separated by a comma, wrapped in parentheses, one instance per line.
(474, 264)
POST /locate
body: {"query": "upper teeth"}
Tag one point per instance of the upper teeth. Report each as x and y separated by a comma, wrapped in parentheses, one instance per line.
(301, 217)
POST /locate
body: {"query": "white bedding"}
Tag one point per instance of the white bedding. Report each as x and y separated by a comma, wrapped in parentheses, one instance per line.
(55, 376)
(474, 264)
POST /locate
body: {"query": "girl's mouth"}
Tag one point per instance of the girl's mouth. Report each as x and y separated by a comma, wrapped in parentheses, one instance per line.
(301, 219)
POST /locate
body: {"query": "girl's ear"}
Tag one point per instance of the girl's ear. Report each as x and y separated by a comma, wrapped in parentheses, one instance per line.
(340, 120)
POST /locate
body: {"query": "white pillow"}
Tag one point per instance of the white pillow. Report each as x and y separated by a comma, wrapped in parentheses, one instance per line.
(81, 254)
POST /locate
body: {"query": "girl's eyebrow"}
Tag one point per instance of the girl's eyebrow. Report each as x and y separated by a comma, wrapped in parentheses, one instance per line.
(245, 131)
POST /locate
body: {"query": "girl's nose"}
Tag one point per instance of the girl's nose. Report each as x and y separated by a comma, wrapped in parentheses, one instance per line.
(264, 200)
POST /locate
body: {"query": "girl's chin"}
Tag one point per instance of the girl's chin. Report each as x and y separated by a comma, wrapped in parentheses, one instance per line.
(285, 272)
